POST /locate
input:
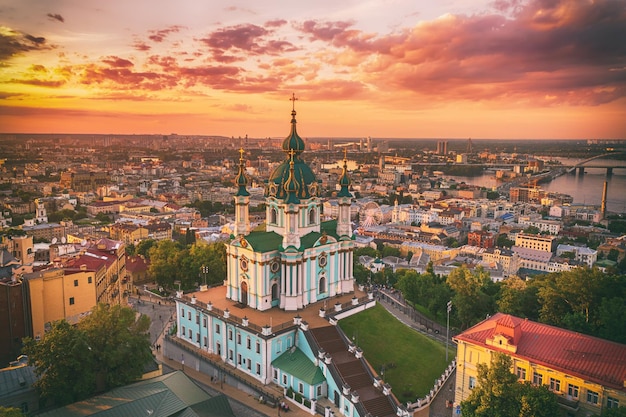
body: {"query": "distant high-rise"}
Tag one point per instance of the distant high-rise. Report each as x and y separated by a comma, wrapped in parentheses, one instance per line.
(442, 147)
(469, 146)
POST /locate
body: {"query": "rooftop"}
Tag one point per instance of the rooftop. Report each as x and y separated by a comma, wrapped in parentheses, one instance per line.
(576, 354)
(274, 316)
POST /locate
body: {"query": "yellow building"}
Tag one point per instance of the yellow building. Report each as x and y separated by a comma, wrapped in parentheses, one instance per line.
(57, 294)
(586, 373)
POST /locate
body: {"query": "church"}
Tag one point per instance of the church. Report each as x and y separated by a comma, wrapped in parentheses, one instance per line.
(274, 318)
(297, 260)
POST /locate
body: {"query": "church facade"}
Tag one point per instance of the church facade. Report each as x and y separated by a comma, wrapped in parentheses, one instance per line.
(297, 260)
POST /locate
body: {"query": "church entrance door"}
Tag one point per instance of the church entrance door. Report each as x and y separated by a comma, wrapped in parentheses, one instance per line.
(244, 293)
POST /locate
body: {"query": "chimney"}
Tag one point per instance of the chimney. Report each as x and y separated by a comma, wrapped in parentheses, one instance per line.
(604, 196)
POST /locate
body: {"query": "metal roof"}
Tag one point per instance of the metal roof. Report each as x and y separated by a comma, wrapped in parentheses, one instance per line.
(168, 395)
(295, 362)
(576, 354)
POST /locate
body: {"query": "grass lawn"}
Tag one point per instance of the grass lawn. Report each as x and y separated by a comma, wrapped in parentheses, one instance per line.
(412, 361)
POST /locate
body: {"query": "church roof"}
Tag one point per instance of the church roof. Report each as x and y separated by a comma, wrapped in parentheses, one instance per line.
(271, 241)
(295, 362)
(264, 241)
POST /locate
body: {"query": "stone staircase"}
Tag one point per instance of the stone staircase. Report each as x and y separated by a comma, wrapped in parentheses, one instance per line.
(353, 372)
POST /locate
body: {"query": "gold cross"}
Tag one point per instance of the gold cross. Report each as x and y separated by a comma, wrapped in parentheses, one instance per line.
(293, 100)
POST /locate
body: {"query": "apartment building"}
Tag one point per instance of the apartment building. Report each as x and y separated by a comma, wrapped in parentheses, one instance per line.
(586, 373)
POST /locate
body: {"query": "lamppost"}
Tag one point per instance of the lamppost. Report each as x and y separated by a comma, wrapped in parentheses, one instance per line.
(448, 328)
(205, 270)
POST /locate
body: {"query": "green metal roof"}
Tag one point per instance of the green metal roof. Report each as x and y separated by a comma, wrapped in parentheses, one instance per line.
(169, 395)
(264, 241)
(295, 362)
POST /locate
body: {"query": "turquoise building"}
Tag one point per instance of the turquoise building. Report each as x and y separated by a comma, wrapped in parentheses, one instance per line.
(270, 319)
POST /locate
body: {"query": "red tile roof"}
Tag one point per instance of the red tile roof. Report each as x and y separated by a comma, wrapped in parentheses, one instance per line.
(593, 359)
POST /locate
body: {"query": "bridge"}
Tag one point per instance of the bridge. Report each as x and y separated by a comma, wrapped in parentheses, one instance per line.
(580, 166)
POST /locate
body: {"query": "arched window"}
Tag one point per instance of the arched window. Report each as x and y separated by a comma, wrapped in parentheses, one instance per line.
(312, 216)
(274, 291)
(273, 215)
(321, 287)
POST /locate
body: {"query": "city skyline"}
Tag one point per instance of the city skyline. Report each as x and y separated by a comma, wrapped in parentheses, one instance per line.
(482, 69)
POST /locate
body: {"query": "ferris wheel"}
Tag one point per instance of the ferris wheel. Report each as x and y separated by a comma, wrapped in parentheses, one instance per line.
(370, 214)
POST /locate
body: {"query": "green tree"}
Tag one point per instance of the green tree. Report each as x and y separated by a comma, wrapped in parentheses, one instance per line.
(62, 362)
(614, 412)
(11, 412)
(472, 295)
(143, 247)
(518, 298)
(119, 345)
(165, 262)
(107, 349)
(498, 393)
(503, 241)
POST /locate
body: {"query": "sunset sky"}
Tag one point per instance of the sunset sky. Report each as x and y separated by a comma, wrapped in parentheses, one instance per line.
(380, 68)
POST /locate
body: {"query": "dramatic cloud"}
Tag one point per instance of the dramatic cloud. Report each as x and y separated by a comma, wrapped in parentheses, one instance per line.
(160, 35)
(247, 39)
(55, 16)
(13, 43)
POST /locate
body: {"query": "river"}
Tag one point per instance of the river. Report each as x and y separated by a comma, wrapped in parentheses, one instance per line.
(585, 188)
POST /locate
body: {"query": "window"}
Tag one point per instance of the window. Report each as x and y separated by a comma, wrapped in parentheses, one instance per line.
(217, 328)
(319, 390)
(592, 397)
(537, 378)
(572, 390)
(248, 343)
(89, 280)
(230, 334)
(183, 332)
(300, 388)
(555, 385)
(258, 347)
(182, 312)
(218, 349)
(231, 356)
(239, 359)
(521, 373)
(275, 374)
(198, 338)
(197, 319)
(76, 283)
(273, 215)
(472, 382)
(612, 402)
(284, 379)
(238, 338)
(249, 364)
(71, 301)
(190, 334)
(204, 322)
(321, 286)
(258, 369)
(312, 216)
(189, 315)
(204, 341)
(279, 346)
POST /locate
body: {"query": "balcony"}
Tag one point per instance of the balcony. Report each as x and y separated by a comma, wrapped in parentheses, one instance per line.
(568, 403)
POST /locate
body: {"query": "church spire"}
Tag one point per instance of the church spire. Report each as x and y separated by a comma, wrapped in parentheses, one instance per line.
(293, 142)
(344, 200)
(344, 180)
(242, 200)
(291, 185)
(241, 179)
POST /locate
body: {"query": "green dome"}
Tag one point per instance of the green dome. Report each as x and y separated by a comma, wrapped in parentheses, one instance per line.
(293, 142)
(302, 183)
